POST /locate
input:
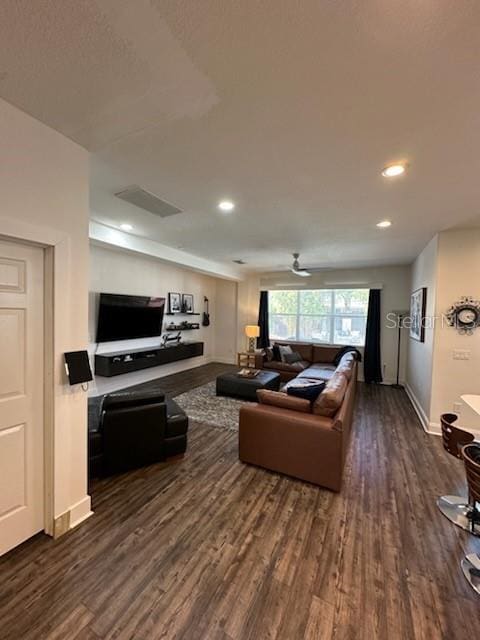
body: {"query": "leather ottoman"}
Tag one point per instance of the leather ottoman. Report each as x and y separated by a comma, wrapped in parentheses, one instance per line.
(235, 386)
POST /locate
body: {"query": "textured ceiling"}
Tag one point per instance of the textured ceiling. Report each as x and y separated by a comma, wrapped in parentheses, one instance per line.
(289, 108)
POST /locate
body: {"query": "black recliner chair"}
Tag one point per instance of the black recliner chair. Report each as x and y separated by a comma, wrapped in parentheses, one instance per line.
(135, 428)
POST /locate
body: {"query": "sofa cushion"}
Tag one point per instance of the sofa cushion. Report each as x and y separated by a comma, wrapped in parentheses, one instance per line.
(303, 348)
(291, 358)
(285, 350)
(296, 367)
(305, 388)
(318, 372)
(283, 401)
(125, 399)
(331, 398)
(323, 353)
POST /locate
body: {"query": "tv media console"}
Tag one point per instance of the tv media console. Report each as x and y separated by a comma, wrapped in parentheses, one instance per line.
(115, 363)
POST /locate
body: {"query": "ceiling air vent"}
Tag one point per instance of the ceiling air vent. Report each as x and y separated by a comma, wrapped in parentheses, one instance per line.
(145, 200)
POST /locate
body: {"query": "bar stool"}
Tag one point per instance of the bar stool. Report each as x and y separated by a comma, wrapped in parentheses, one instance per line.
(455, 508)
(471, 563)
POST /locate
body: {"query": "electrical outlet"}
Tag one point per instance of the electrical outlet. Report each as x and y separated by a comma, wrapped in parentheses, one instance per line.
(461, 354)
(457, 407)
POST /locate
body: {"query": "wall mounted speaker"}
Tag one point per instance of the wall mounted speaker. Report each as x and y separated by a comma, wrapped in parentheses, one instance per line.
(77, 366)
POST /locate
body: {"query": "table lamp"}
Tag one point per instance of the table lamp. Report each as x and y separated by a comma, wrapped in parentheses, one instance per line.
(252, 331)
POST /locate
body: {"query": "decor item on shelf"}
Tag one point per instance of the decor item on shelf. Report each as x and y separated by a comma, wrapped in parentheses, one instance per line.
(206, 313)
(174, 303)
(168, 340)
(252, 331)
(418, 305)
(187, 303)
(400, 315)
(182, 326)
(464, 315)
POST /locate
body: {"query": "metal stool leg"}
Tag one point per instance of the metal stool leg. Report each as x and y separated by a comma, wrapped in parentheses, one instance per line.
(457, 510)
(471, 570)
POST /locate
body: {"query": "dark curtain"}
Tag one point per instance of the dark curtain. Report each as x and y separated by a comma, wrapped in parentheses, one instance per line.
(263, 341)
(372, 367)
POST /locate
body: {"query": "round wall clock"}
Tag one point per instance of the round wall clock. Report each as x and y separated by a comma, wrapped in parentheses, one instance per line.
(464, 315)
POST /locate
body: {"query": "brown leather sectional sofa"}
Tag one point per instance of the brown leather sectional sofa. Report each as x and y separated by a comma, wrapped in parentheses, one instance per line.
(294, 436)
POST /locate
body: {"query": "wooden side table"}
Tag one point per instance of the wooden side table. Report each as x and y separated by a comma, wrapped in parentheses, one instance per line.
(247, 360)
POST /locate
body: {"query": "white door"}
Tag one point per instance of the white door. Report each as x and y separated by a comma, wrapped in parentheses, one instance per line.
(21, 393)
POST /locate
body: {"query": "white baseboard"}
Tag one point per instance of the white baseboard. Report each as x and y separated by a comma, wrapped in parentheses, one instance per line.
(224, 359)
(432, 428)
(80, 511)
(71, 518)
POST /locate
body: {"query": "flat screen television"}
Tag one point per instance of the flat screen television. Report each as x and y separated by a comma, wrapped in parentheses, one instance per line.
(123, 317)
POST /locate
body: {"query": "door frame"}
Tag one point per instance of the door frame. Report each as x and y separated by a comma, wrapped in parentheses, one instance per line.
(56, 246)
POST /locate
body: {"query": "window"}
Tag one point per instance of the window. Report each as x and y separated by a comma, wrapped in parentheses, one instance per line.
(336, 316)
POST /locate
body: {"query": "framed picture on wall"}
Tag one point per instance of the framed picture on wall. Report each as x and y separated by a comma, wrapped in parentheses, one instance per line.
(418, 306)
(187, 303)
(174, 302)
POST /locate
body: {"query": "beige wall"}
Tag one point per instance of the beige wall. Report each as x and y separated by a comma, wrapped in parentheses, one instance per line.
(225, 321)
(449, 267)
(248, 301)
(420, 354)
(120, 271)
(458, 273)
(44, 196)
(395, 285)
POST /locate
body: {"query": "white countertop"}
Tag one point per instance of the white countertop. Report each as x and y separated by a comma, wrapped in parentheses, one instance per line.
(473, 401)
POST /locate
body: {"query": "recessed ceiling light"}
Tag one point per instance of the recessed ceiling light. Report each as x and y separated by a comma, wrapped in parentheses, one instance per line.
(384, 224)
(393, 170)
(126, 227)
(226, 205)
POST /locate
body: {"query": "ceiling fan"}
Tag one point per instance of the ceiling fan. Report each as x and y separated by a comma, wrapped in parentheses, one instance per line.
(296, 269)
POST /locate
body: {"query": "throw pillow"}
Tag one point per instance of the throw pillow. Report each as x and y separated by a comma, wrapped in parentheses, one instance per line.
(269, 354)
(276, 352)
(291, 358)
(284, 350)
(307, 390)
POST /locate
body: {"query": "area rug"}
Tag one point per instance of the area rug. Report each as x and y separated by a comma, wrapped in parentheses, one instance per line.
(203, 405)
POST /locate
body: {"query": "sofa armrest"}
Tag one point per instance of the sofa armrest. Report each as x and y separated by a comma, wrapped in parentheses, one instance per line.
(259, 360)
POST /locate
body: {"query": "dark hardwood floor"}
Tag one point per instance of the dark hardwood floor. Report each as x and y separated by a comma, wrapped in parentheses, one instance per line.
(209, 548)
